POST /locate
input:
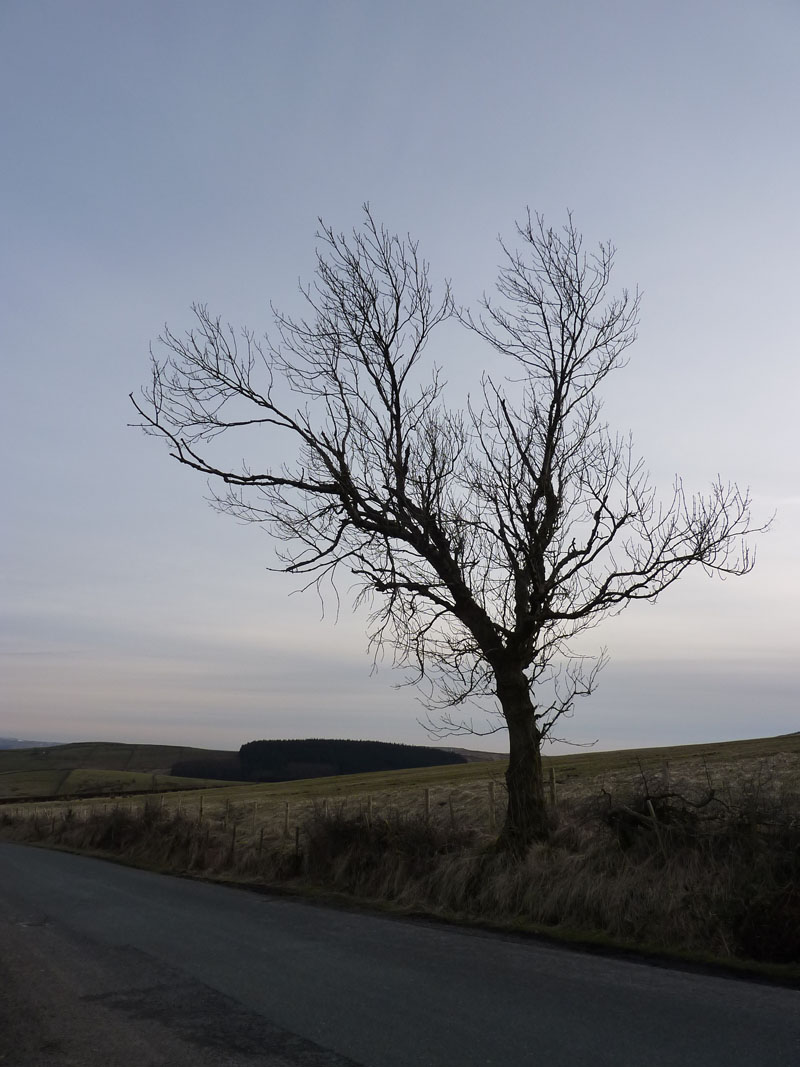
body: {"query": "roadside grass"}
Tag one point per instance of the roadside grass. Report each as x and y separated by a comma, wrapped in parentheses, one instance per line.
(691, 851)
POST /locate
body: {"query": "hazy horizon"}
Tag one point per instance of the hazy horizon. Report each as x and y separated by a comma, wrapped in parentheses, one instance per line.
(169, 153)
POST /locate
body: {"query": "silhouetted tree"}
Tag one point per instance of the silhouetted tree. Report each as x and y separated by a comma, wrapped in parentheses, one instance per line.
(486, 538)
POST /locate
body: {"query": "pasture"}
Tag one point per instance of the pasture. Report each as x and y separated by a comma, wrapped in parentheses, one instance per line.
(466, 795)
(95, 767)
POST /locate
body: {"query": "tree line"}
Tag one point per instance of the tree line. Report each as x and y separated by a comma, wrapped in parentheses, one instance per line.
(313, 757)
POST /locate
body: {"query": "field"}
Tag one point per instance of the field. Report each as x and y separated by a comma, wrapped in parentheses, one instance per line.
(103, 755)
(97, 767)
(23, 785)
(459, 793)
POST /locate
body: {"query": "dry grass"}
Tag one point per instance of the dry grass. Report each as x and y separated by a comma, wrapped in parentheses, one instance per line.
(698, 853)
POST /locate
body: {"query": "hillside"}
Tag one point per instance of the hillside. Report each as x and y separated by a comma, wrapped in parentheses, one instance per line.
(91, 768)
(17, 742)
(474, 755)
(104, 755)
(108, 768)
(105, 767)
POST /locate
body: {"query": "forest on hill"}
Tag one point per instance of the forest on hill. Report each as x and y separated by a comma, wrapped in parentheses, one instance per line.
(315, 757)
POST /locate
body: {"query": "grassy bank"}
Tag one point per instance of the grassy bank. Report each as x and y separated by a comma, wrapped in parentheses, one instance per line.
(685, 854)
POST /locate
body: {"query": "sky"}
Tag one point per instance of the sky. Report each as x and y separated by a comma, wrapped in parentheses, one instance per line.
(159, 153)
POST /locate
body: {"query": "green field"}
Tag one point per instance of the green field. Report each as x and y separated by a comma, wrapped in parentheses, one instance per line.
(96, 767)
(103, 755)
(22, 785)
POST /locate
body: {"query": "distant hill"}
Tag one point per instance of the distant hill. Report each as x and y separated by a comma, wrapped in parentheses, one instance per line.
(472, 755)
(104, 755)
(87, 768)
(15, 742)
(95, 767)
(316, 757)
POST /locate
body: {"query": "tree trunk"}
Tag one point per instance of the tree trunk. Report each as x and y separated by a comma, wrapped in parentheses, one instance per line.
(527, 818)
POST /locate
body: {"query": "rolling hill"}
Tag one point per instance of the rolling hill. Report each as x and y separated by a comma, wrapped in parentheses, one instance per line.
(91, 768)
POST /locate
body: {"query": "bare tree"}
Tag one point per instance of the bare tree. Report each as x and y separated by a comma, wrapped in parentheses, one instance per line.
(485, 538)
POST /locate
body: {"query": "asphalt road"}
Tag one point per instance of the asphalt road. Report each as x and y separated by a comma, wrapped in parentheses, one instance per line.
(106, 965)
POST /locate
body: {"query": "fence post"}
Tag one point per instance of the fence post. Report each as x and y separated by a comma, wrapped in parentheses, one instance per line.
(200, 811)
(227, 813)
(492, 812)
(659, 838)
(452, 813)
(427, 805)
(325, 808)
(553, 786)
(286, 819)
(369, 810)
(261, 842)
(255, 805)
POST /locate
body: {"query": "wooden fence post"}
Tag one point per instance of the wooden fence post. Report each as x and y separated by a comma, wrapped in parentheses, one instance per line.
(659, 838)
(492, 811)
(286, 819)
(553, 786)
(452, 813)
(427, 805)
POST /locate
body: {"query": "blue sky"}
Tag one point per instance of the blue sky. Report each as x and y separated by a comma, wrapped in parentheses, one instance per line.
(157, 154)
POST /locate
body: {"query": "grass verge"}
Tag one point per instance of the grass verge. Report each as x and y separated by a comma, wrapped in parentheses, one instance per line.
(705, 874)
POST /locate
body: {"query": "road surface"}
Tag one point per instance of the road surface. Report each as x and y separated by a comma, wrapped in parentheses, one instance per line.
(107, 966)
